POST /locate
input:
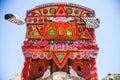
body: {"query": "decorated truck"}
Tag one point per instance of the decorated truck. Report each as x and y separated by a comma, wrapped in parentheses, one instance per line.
(60, 42)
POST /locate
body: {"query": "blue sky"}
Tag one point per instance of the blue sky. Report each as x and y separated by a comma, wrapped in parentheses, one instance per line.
(107, 35)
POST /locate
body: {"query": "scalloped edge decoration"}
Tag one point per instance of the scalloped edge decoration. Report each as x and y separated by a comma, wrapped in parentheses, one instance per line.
(79, 56)
(72, 56)
(34, 56)
(86, 56)
(41, 56)
(48, 56)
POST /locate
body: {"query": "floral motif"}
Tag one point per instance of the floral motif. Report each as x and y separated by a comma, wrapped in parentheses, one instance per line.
(48, 56)
(34, 56)
(41, 56)
(72, 56)
(52, 10)
(86, 56)
(69, 10)
(79, 56)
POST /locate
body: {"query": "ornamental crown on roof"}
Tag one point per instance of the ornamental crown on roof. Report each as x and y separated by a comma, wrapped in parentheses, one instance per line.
(64, 10)
(61, 9)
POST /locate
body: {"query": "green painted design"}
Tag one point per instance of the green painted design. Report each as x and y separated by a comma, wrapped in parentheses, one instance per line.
(60, 56)
(52, 10)
(34, 33)
(36, 14)
(84, 13)
(69, 10)
(69, 32)
(52, 32)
